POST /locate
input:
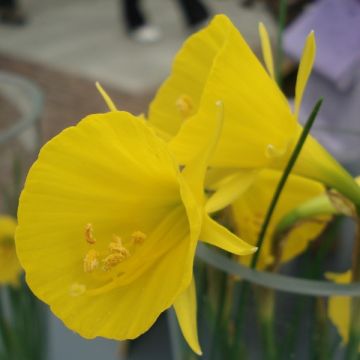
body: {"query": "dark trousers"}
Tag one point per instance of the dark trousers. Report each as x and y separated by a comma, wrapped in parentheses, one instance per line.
(8, 4)
(194, 12)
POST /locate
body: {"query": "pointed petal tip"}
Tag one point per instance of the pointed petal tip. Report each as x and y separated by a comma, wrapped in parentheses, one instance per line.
(248, 251)
(311, 39)
(105, 96)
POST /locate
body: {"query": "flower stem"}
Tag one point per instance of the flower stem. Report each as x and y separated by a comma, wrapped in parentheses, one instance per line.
(244, 286)
(283, 180)
(266, 314)
(217, 337)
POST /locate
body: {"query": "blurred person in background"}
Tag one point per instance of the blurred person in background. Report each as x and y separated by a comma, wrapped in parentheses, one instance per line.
(195, 13)
(10, 13)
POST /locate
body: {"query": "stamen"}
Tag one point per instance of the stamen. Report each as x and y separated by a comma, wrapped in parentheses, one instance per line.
(185, 106)
(89, 234)
(77, 289)
(114, 259)
(272, 151)
(91, 261)
(117, 247)
(138, 237)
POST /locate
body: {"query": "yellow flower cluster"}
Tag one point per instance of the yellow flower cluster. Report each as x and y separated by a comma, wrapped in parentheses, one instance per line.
(114, 207)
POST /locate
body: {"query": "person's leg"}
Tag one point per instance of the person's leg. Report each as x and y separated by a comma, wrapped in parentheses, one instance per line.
(10, 13)
(195, 11)
(133, 16)
(136, 23)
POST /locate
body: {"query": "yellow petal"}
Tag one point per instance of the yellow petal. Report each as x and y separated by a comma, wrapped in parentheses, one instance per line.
(306, 64)
(106, 97)
(215, 177)
(189, 74)
(217, 235)
(340, 306)
(256, 113)
(195, 169)
(249, 211)
(124, 312)
(230, 190)
(185, 308)
(266, 49)
(112, 172)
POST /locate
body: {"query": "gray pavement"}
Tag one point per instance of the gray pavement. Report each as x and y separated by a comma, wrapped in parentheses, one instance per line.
(86, 37)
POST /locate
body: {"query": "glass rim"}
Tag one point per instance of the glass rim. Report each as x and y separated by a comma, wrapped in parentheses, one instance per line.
(286, 283)
(31, 117)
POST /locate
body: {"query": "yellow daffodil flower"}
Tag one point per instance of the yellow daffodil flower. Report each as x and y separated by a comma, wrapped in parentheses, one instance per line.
(250, 209)
(339, 308)
(260, 129)
(10, 268)
(108, 226)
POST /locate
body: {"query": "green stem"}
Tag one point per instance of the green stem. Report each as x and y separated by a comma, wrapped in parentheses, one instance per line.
(244, 286)
(217, 338)
(283, 180)
(266, 315)
(321, 339)
(313, 269)
(279, 45)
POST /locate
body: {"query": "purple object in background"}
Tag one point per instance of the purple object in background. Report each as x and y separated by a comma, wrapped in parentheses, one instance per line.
(337, 29)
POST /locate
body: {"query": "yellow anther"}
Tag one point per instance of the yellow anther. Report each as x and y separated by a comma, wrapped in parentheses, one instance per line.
(114, 259)
(77, 289)
(91, 261)
(89, 234)
(116, 245)
(138, 237)
(185, 105)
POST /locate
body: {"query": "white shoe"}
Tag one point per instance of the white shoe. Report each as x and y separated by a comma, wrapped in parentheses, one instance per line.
(146, 34)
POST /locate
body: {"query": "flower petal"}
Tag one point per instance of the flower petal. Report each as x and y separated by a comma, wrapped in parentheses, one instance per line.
(195, 169)
(124, 312)
(306, 64)
(340, 306)
(249, 211)
(113, 172)
(217, 235)
(189, 74)
(266, 49)
(110, 104)
(185, 308)
(230, 190)
(235, 77)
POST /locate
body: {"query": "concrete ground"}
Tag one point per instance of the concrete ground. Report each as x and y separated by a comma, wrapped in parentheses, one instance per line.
(86, 37)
